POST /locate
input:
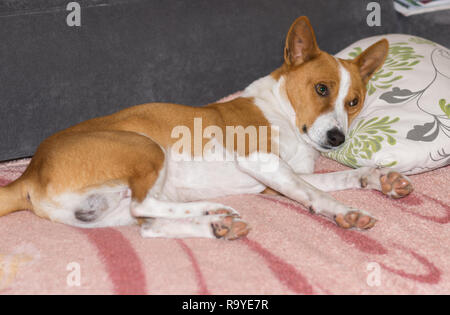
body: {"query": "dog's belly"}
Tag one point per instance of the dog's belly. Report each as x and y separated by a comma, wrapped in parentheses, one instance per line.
(195, 180)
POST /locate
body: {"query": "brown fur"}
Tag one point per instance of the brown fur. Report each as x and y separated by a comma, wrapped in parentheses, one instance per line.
(78, 161)
(157, 120)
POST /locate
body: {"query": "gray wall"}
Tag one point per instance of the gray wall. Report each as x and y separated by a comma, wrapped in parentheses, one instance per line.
(138, 51)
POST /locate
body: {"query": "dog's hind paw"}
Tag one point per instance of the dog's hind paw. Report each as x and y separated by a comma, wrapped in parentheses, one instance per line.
(395, 185)
(230, 228)
(355, 219)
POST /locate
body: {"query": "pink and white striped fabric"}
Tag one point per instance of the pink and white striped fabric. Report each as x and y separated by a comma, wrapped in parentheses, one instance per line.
(289, 251)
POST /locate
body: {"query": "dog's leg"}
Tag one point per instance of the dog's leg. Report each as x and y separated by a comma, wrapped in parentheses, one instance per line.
(190, 219)
(278, 175)
(211, 226)
(155, 208)
(388, 181)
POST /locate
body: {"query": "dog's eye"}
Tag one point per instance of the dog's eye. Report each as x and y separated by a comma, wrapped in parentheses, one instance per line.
(322, 89)
(354, 102)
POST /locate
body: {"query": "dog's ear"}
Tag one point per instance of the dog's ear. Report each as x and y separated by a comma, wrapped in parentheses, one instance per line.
(301, 44)
(371, 59)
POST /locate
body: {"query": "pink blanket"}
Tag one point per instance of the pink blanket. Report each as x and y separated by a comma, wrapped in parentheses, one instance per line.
(289, 251)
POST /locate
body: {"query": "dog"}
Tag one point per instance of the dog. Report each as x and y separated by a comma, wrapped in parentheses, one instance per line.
(120, 169)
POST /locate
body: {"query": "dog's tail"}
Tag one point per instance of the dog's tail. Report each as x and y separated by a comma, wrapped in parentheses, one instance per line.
(14, 197)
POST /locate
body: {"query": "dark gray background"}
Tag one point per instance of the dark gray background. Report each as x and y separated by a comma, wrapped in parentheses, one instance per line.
(130, 52)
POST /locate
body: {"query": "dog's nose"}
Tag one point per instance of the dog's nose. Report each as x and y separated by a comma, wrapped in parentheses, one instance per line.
(335, 137)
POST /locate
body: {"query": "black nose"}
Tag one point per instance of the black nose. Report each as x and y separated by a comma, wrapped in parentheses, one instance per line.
(335, 137)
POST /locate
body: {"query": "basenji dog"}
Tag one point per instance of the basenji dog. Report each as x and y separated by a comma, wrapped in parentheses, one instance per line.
(120, 169)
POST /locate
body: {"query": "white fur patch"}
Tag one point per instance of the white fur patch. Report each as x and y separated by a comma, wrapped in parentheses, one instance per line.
(189, 180)
(318, 131)
(339, 108)
(270, 96)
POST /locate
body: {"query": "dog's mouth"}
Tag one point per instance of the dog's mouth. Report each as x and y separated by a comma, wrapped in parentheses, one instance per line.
(327, 148)
(320, 146)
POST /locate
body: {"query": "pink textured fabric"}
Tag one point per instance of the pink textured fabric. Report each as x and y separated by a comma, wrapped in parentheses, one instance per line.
(289, 251)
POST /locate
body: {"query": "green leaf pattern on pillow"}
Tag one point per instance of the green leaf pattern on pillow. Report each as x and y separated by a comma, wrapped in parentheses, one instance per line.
(418, 40)
(365, 139)
(445, 107)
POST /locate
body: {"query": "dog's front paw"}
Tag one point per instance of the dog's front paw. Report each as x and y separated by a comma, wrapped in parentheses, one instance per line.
(355, 219)
(395, 185)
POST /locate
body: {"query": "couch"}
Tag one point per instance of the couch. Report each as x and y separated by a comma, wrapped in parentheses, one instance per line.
(129, 52)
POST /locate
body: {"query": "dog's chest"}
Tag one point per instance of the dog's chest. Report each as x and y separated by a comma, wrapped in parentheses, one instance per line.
(299, 156)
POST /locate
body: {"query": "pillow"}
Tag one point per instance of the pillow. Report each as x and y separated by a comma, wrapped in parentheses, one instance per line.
(405, 123)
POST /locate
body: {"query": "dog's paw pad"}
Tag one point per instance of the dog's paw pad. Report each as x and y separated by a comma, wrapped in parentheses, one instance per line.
(230, 228)
(395, 185)
(355, 219)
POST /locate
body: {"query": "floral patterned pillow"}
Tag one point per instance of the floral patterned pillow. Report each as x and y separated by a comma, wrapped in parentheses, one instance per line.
(405, 123)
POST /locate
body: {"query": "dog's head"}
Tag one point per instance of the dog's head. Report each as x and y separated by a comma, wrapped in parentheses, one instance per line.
(325, 92)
